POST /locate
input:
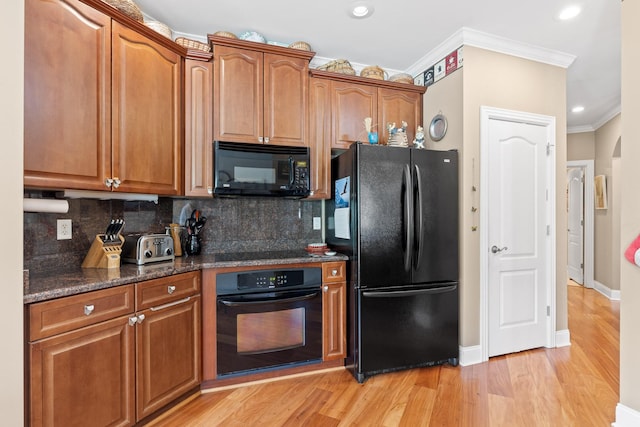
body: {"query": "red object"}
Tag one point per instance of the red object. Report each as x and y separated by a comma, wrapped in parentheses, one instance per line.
(630, 253)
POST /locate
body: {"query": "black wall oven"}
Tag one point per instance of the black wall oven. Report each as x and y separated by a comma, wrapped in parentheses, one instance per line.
(268, 319)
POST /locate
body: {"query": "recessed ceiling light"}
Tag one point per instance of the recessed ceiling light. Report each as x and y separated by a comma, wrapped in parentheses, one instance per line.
(361, 10)
(569, 12)
(577, 109)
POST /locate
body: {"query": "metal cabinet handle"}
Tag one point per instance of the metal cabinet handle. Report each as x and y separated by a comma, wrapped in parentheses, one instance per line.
(334, 273)
(88, 309)
(260, 139)
(133, 320)
(325, 288)
(209, 190)
(108, 182)
(171, 289)
(266, 139)
(171, 304)
(141, 318)
(116, 182)
(495, 249)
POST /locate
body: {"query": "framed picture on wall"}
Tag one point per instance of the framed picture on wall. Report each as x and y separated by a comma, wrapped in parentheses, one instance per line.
(600, 188)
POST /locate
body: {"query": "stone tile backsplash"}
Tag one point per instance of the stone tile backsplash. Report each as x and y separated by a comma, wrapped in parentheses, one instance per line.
(233, 225)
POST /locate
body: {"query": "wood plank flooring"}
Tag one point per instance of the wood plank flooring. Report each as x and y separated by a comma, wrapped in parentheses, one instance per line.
(576, 385)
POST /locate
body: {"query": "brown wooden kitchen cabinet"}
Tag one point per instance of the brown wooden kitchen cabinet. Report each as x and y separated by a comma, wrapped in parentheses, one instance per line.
(114, 356)
(168, 340)
(338, 105)
(334, 311)
(198, 149)
(320, 138)
(82, 359)
(102, 101)
(259, 92)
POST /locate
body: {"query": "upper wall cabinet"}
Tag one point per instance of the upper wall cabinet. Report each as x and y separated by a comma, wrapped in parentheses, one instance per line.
(103, 101)
(259, 92)
(338, 105)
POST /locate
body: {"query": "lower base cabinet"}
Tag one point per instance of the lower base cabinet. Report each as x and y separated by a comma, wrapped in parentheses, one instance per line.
(112, 357)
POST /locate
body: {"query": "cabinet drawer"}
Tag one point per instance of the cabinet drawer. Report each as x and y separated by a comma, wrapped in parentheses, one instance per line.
(156, 292)
(333, 272)
(53, 317)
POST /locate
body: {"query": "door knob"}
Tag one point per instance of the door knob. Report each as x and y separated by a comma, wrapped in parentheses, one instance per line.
(495, 249)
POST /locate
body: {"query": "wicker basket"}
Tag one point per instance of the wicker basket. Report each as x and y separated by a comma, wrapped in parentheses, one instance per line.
(160, 28)
(128, 7)
(401, 78)
(373, 72)
(338, 66)
(301, 45)
(193, 44)
(225, 34)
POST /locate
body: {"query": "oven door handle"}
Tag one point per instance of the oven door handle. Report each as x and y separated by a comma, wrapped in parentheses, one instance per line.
(240, 302)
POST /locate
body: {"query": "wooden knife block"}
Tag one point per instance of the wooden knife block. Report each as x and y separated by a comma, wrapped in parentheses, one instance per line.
(103, 255)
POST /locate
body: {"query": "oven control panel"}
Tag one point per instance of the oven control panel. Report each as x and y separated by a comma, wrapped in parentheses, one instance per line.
(261, 280)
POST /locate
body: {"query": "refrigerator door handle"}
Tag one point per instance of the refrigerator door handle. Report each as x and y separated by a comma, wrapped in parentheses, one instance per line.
(408, 217)
(418, 215)
(407, 293)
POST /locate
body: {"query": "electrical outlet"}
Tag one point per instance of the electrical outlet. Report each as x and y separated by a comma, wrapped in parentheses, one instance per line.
(317, 224)
(64, 229)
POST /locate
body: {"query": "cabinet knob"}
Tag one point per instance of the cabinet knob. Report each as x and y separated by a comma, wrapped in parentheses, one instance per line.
(171, 289)
(325, 288)
(266, 139)
(133, 320)
(260, 139)
(141, 318)
(334, 272)
(209, 190)
(116, 182)
(88, 309)
(108, 182)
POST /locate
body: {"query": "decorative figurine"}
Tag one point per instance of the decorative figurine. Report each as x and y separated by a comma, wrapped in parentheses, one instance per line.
(418, 141)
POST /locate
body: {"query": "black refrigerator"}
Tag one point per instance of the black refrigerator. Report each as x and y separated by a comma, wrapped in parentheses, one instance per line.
(395, 214)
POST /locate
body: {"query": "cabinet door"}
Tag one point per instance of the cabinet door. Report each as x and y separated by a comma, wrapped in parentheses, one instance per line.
(285, 98)
(146, 114)
(67, 95)
(320, 137)
(350, 104)
(334, 341)
(237, 95)
(394, 106)
(84, 377)
(198, 149)
(168, 352)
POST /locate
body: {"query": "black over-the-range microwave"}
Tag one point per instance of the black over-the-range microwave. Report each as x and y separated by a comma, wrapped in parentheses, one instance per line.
(260, 170)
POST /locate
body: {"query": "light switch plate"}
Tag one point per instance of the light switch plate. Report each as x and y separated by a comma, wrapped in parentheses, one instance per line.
(317, 223)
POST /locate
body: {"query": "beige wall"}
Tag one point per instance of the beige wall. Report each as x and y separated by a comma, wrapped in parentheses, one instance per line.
(581, 146)
(606, 260)
(501, 81)
(11, 88)
(630, 206)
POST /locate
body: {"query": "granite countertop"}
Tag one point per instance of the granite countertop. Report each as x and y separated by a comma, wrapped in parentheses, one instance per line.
(76, 281)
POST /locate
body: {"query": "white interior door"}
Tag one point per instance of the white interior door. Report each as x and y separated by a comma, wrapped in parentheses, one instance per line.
(575, 233)
(519, 229)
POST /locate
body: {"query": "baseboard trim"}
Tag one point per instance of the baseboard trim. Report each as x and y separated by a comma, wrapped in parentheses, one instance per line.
(626, 417)
(471, 355)
(563, 338)
(612, 294)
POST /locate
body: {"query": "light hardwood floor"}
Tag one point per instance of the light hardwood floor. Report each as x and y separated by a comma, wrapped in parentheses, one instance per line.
(576, 385)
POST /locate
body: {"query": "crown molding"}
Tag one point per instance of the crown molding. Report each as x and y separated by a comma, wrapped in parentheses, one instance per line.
(470, 37)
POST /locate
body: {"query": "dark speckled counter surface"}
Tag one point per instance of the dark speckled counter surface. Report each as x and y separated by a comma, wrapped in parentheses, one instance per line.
(80, 280)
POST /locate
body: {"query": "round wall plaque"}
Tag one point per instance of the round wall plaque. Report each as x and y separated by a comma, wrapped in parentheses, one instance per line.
(438, 127)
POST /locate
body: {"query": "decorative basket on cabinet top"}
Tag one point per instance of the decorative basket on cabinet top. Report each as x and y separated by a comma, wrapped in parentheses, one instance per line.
(128, 7)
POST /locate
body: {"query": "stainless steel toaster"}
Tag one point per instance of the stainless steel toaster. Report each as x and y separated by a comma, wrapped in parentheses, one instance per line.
(142, 248)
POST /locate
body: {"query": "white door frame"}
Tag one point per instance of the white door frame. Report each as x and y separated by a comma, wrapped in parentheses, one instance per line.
(587, 167)
(486, 114)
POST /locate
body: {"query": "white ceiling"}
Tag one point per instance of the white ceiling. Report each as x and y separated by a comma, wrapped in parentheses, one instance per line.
(403, 35)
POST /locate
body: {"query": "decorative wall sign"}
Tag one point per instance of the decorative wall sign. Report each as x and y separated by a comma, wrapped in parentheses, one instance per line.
(442, 68)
